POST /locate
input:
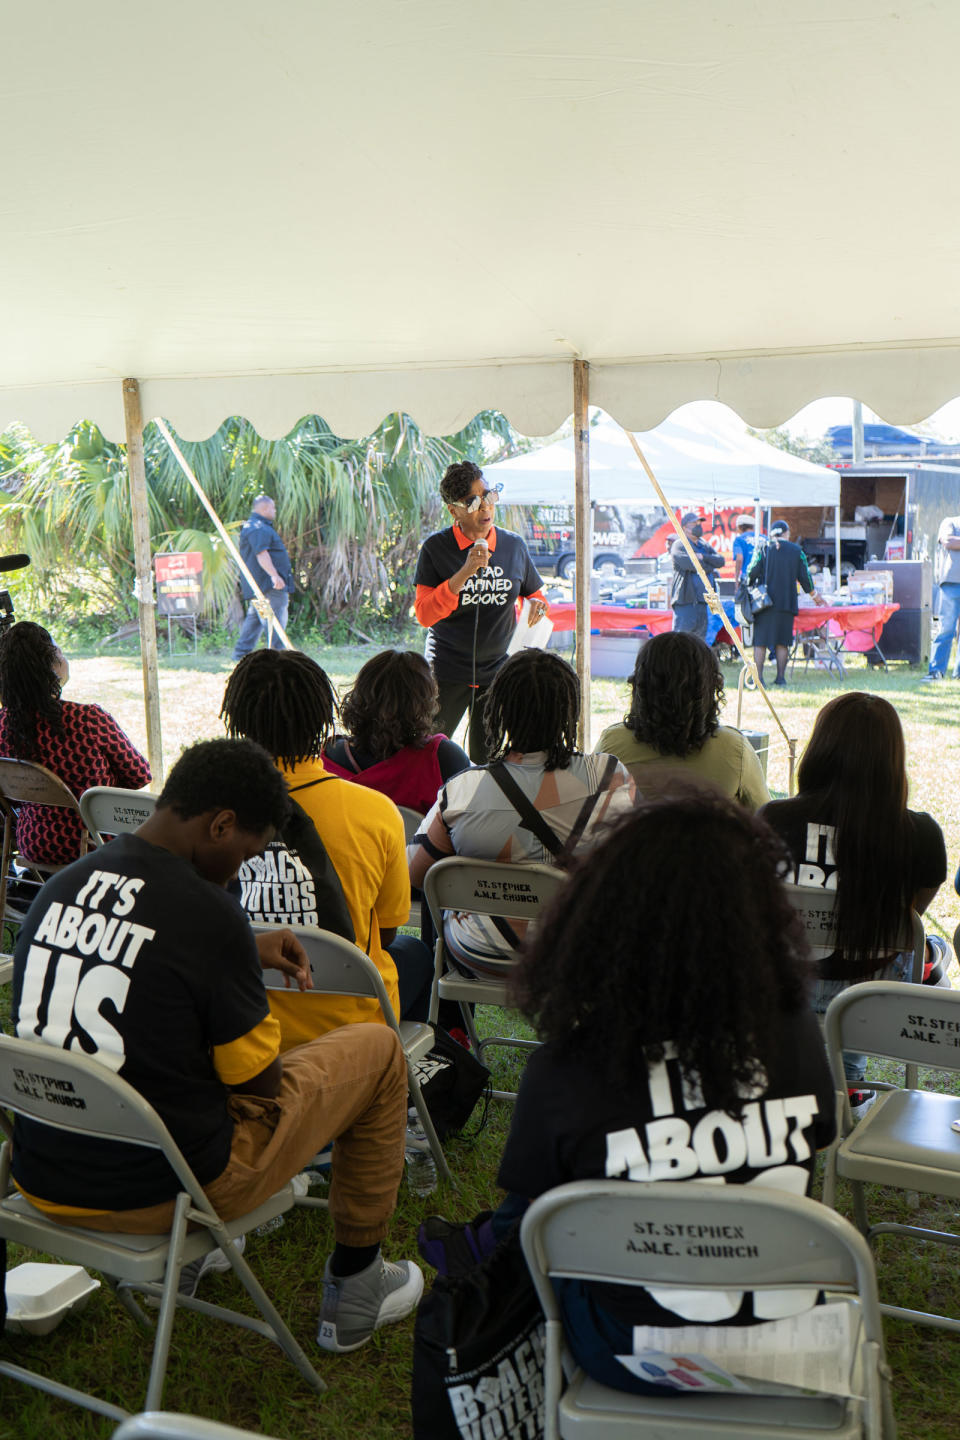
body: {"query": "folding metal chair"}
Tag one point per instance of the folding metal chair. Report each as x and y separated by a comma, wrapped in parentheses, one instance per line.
(162, 1425)
(23, 782)
(108, 810)
(588, 1231)
(817, 910)
(482, 887)
(34, 1079)
(906, 1139)
(412, 820)
(339, 968)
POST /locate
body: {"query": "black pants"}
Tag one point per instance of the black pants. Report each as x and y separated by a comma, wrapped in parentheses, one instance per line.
(456, 697)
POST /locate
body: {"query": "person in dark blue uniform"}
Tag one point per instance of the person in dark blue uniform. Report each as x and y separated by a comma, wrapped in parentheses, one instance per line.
(265, 555)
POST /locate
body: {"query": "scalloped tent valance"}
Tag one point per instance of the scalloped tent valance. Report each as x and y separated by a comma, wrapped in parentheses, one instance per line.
(434, 207)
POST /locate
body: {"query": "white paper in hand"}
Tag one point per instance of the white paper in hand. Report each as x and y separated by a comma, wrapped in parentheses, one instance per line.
(527, 636)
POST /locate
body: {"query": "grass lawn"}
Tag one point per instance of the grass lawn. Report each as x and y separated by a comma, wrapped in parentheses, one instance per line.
(228, 1375)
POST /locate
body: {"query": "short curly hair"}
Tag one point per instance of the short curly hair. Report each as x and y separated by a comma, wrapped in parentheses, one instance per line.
(233, 775)
(458, 480)
(393, 703)
(677, 693)
(698, 944)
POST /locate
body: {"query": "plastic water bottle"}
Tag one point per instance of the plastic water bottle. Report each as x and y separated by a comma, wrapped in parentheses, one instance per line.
(421, 1166)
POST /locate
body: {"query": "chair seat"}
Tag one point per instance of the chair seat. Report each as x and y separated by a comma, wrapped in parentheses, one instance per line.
(454, 986)
(145, 1255)
(906, 1139)
(588, 1409)
(416, 1037)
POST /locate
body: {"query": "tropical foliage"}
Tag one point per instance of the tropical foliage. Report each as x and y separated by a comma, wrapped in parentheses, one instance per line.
(353, 513)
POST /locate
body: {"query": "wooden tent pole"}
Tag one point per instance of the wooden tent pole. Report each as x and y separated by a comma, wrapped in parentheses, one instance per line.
(583, 532)
(143, 588)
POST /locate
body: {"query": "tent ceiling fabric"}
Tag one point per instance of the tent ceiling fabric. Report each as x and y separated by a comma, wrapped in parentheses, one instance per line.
(433, 206)
(700, 455)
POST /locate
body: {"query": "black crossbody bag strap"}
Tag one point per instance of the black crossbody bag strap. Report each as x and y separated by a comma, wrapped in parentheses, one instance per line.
(530, 818)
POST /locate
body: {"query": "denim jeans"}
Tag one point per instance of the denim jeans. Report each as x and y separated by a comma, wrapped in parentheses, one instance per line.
(253, 626)
(949, 615)
(899, 968)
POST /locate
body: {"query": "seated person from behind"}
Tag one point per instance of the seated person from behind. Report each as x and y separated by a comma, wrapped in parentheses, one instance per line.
(285, 702)
(391, 744)
(187, 1024)
(848, 830)
(81, 744)
(687, 1052)
(531, 723)
(672, 729)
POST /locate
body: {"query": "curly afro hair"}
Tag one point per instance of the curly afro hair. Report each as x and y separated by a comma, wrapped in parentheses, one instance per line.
(677, 693)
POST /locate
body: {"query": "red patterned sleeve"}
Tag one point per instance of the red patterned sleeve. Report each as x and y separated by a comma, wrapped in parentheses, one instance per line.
(128, 768)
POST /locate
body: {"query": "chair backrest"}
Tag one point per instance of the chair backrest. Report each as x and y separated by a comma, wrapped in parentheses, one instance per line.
(817, 911)
(337, 968)
(489, 887)
(109, 810)
(73, 1092)
(25, 782)
(882, 1017)
(694, 1236)
(411, 822)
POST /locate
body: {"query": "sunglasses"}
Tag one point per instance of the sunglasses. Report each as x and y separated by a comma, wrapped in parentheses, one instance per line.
(486, 497)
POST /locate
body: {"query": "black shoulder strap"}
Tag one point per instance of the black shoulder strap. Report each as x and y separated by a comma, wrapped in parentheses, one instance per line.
(532, 820)
(309, 784)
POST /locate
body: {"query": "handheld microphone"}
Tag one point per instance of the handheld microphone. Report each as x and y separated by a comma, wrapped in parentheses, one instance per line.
(13, 562)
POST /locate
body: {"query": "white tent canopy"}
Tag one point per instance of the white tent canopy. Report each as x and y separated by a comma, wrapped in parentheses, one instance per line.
(702, 454)
(436, 207)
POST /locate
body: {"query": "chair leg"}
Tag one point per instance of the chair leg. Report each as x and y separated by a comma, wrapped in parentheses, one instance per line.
(470, 1025)
(429, 1129)
(281, 1334)
(859, 1207)
(168, 1303)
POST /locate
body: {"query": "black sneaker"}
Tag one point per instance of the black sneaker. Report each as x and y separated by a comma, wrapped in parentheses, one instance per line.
(860, 1102)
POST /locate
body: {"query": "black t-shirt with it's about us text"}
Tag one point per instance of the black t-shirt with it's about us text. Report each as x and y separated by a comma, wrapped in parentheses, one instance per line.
(471, 643)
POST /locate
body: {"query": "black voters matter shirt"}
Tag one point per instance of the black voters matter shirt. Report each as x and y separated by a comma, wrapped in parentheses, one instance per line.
(571, 1124)
(130, 957)
(800, 824)
(486, 606)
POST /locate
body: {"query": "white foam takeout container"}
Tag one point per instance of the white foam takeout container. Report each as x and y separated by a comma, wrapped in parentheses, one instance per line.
(39, 1296)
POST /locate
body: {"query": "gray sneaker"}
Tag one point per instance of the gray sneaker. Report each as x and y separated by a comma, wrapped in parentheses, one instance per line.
(359, 1304)
(932, 678)
(214, 1261)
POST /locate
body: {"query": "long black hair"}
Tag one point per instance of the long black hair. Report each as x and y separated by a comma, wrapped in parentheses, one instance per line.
(533, 704)
(855, 767)
(392, 703)
(29, 686)
(284, 701)
(675, 929)
(677, 693)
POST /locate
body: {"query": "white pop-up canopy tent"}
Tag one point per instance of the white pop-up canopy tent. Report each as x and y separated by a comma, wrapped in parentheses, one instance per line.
(701, 455)
(439, 207)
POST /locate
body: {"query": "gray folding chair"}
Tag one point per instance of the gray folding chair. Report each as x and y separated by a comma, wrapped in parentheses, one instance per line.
(587, 1231)
(23, 782)
(34, 1077)
(817, 911)
(411, 824)
(108, 810)
(482, 887)
(906, 1139)
(162, 1425)
(339, 968)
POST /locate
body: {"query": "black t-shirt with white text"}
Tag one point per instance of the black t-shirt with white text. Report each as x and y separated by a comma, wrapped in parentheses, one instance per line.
(486, 606)
(130, 957)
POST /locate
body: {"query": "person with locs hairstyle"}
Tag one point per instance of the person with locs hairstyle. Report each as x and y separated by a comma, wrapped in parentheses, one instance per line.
(672, 729)
(391, 744)
(266, 557)
(848, 829)
(171, 998)
(81, 744)
(688, 1051)
(538, 800)
(470, 578)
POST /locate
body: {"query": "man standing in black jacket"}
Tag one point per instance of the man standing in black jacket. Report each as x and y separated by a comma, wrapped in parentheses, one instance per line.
(686, 596)
(265, 556)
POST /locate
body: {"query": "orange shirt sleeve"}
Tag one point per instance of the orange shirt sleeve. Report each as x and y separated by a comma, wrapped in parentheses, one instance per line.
(434, 602)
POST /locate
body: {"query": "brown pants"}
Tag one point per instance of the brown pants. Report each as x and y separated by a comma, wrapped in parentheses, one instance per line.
(349, 1085)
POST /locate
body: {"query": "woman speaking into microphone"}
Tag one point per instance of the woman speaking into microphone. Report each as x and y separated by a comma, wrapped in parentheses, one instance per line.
(469, 579)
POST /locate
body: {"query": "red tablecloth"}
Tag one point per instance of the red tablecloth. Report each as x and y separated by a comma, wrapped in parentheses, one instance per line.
(849, 620)
(563, 613)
